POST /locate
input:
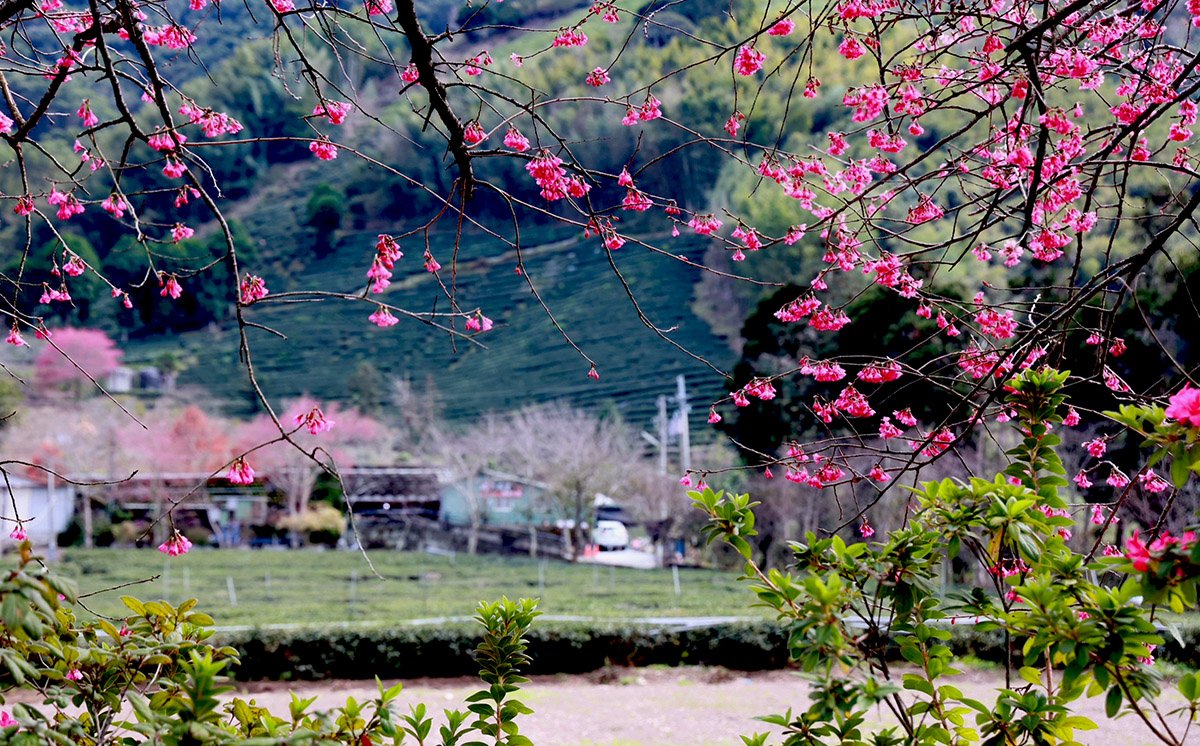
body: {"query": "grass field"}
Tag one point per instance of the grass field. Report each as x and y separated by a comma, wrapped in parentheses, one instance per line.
(314, 587)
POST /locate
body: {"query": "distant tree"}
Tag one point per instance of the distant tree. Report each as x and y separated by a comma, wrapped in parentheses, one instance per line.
(575, 454)
(170, 363)
(352, 439)
(11, 396)
(325, 212)
(167, 442)
(73, 357)
(175, 440)
(416, 415)
(465, 455)
(367, 389)
(42, 271)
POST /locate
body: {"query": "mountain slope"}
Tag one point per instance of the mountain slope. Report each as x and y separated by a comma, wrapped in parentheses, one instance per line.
(526, 359)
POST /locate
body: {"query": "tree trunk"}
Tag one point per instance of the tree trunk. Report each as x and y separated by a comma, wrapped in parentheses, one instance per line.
(576, 531)
(89, 540)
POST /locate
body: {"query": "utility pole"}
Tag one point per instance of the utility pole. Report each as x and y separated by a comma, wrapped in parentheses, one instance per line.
(663, 434)
(685, 441)
(661, 439)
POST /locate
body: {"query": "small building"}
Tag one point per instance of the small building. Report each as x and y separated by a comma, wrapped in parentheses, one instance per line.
(120, 381)
(207, 507)
(45, 508)
(395, 507)
(150, 379)
(399, 490)
(503, 500)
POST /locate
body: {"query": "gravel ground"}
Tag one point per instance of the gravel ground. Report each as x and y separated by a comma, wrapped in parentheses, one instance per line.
(667, 707)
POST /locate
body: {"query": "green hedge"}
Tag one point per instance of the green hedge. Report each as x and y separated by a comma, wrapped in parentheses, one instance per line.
(410, 652)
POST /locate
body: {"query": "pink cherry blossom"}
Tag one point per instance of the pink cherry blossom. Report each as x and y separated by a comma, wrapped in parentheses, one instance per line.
(173, 168)
(176, 545)
(383, 318)
(74, 266)
(252, 289)
(1184, 406)
(572, 37)
(734, 123)
(15, 339)
(166, 141)
(851, 49)
(240, 472)
(85, 113)
(783, 27)
(334, 111)
(748, 60)
(473, 134)
(314, 421)
(181, 232)
(514, 140)
(323, 149)
(170, 287)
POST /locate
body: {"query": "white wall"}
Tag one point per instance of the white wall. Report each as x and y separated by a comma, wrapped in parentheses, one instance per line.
(42, 518)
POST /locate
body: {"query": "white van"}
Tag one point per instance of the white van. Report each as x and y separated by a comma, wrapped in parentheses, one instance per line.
(610, 535)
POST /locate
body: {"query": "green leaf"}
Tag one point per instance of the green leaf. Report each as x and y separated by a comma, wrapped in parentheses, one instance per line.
(1180, 472)
(917, 683)
(1112, 702)
(1078, 722)
(1189, 687)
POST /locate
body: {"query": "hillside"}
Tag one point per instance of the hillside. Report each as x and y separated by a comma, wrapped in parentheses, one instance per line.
(526, 359)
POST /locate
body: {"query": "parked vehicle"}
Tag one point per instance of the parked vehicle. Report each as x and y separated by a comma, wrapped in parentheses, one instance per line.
(610, 535)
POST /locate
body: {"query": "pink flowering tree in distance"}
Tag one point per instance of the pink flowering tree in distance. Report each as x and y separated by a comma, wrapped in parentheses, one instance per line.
(322, 439)
(76, 358)
(939, 204)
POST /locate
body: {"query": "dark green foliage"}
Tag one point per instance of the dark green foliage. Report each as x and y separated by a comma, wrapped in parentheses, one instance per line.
(516, 12)
(446, 650)
(207, 295)
(160, 666)
(35, 272)
(1070, 624)
(325, 210)
(368, 389)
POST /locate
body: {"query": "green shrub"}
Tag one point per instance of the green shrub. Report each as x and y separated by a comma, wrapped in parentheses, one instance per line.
(445, 650)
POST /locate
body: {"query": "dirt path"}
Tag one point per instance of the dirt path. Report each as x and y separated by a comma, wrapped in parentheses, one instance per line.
(667, 707)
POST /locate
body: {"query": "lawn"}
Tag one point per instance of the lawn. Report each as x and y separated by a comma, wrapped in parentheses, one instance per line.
(322, 587)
